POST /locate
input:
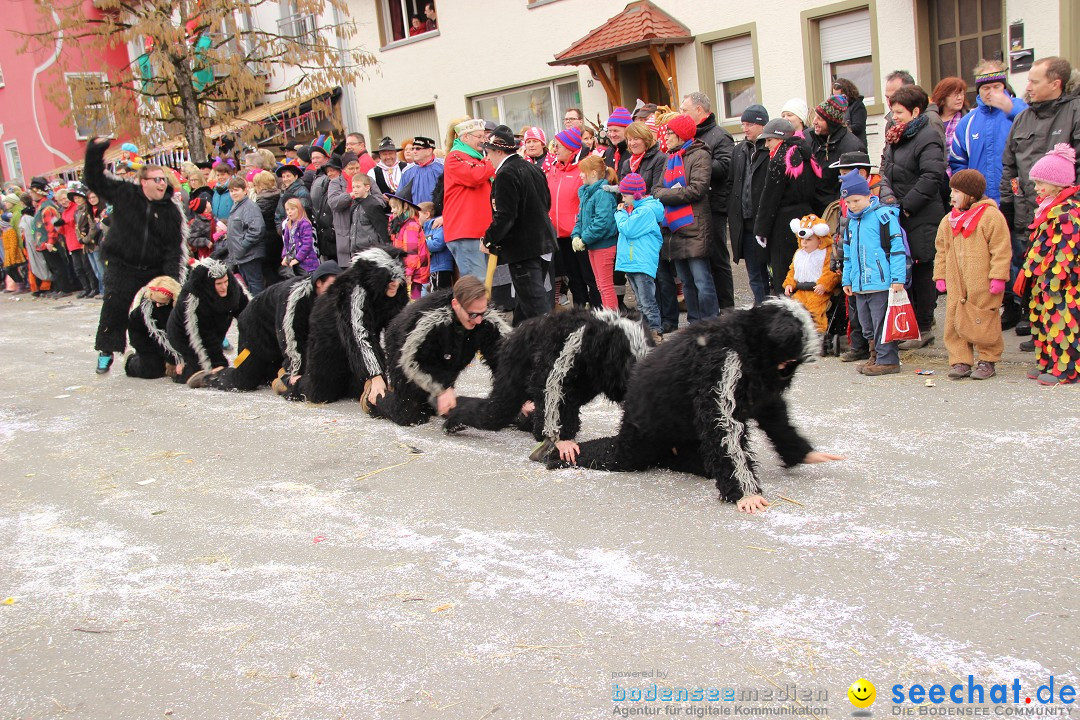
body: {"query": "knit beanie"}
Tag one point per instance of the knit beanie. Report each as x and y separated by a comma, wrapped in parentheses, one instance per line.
(796, 107)
(970, 182)
(620, 117)
(994, 76)
(570, 139)
(633, 184)
(683, 126)
(535, 133)
(1057, 167)
(832, 110)
(854, 184)
(756, 114)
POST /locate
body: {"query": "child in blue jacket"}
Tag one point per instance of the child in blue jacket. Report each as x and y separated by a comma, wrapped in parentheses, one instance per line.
(871, 272)
(442, 262)
(595, 227)
(638, 252)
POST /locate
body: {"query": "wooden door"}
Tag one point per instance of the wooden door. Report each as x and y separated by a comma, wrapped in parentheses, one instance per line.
(962, 32)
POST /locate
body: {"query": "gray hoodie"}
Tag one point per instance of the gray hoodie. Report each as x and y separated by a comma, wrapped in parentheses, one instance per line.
(244, 238)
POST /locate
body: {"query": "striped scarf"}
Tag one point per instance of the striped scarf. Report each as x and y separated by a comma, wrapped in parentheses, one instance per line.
(677, 216)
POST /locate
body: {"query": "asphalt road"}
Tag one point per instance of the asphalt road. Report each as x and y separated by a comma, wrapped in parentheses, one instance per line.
(193, 554)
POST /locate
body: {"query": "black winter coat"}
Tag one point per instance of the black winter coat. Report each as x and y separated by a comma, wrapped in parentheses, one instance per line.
(826, 152)
(651, 169)
(611, 151)
(202, 317)
(520, 225)
(143, 235)
(740, 162)
(721, 145)
(790, 179)
(914, 171)
(856, 119)
(427, 348)
(147, 330)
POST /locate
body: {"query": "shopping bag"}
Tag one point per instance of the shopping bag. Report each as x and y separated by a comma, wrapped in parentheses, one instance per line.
(900, 323)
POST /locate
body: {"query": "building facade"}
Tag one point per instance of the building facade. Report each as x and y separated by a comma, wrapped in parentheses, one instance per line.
(500, 61)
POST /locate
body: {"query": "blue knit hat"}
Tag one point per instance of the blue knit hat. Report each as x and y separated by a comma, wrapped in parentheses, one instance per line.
(854, 184)
(633, 184)
(570, 139)
(620, 117)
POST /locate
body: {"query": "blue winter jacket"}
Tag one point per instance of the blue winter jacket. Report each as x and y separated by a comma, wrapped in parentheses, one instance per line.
(867, 268)
(596, 216)
(980, 139)
(420, 181)
(221, 203)
(441, 259)
(639, 237)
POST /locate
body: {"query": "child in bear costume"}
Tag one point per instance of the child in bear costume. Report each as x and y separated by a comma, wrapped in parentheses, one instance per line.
(273, 331)
(690, 400)
(560, 362)
(810, 280)
(343, 347)
(147, 325)
(209, 301)
(429, 344)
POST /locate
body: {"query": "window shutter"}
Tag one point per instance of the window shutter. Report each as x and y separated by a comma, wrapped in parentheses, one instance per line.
(845, 36)
(733, 59)
(410, 124)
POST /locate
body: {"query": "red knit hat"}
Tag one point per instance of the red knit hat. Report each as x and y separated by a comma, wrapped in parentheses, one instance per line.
(535, 133)
(683, 126)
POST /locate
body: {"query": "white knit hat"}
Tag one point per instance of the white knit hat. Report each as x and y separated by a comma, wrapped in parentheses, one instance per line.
(798, 108)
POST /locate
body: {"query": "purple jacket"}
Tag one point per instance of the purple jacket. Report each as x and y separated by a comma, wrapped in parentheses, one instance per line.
(299, 243)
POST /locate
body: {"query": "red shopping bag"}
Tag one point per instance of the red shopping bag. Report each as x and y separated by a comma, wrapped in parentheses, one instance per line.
(900, 323)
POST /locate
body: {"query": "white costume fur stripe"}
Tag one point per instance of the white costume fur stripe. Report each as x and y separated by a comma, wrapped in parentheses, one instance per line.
(292, 353)
(553, 387)
(734, 430)
(214, 268)
(191, 326)
(185, 232)
(381, 258)
(159, 336)
(635, 333)
(428, 321)
(811, 344)
(356, 315)
(494, 317)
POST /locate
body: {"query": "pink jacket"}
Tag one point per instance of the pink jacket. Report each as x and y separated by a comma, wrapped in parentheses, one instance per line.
(563, 182)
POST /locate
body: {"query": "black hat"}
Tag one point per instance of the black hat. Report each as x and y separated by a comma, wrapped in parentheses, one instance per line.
(205, 165)
(289, 145)
(299, 172)
(386, 144)
(778, 128)
(326, 269)
(39, 183)
(304, 153)
(334, 162)
(756, 114)
(503, 140)
(423, 142)
(407, 199)
(853, 159)
(348, 157)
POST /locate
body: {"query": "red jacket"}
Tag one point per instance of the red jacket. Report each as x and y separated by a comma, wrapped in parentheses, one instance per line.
(366, 162)
(466, 196)
(69, 232)
(563, 182)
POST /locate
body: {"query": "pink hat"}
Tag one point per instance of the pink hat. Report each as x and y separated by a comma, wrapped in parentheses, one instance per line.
(535, 133)
(1057, 167)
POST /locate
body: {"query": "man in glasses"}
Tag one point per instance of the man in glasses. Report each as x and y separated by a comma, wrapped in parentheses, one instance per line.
(427, 347)
(146, 239)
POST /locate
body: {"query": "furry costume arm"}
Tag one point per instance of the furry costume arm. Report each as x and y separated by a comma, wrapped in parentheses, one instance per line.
(366, 361)
(157, 333)
(495, 331)
(554, 390)
(772, 418)
(116, 192)
(293, 326)
(724, 436)
(191, 329)
(410, 361)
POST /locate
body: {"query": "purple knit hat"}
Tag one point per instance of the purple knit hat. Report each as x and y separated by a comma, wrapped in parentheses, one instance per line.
(1057, 167)
(620, 117)
(633, 184)
(570, 139)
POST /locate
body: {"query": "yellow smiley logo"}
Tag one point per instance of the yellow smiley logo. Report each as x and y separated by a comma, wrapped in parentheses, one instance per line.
(862, 693)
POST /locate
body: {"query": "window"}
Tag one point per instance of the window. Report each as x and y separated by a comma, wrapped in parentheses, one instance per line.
(14, 162)
(733, 73)
(847, 51)
(89, 105)
(534, 105)
(404, 19)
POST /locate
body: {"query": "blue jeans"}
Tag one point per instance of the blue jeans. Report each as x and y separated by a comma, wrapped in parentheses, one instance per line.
(252, 273)
(872, 310)
(469, 258)
(698, 288)
(98, 266)
(756, 271)
(645, 292)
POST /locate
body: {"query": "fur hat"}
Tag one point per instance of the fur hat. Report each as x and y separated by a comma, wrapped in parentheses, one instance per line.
(970, 182)
(633, 184)
(163, 289)
(809, 225)
(683, 126)
(832, 110)
(535, 133)
(620, 117)
(1057, 167)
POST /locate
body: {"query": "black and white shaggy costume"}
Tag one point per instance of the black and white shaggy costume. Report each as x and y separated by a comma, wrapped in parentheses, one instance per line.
(427, 348)
(145, 239)
(560, 362)
(272, 331)
(690, 401)
(147, 329)
(201, 318)
(347, 321)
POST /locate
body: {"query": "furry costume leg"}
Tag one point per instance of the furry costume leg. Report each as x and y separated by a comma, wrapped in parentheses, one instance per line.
(404, 408)
(121, 285)
(145, 366)
(509, 390)
(251, 373)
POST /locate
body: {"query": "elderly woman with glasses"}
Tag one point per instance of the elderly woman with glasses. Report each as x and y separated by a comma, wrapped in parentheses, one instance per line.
(467, 178)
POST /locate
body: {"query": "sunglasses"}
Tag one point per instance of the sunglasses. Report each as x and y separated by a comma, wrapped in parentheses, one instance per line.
(156, 179)
(475, 316)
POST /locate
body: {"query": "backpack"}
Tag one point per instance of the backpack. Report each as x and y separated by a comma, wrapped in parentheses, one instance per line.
(886, 246)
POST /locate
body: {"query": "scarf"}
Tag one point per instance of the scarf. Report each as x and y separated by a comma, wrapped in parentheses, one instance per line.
(677, 216)
(462, 147)
(635, 162)
(964, 222)
(904, 131)
(392, 175)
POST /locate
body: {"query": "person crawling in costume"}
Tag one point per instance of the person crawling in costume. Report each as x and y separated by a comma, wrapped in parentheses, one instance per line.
(810, 281)
(557, 363)
(154, 355)
(209, 301)
(690, 401)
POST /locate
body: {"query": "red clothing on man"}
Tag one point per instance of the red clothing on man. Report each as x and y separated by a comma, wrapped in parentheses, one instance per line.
(466, 196)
